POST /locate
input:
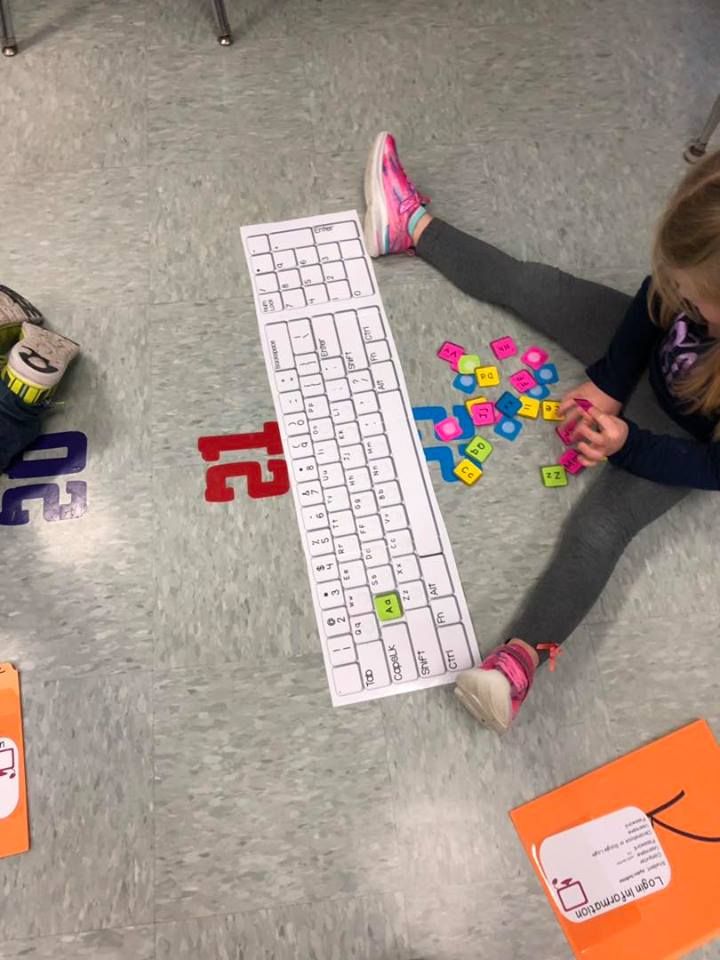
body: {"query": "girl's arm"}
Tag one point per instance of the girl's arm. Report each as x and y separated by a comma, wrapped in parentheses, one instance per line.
(671, 460)
(629, 351)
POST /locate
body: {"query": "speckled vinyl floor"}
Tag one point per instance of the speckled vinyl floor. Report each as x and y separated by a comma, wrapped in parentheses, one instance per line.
(193, 794)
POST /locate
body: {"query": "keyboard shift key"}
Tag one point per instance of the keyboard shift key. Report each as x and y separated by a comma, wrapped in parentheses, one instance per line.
(428, 654)
(347, 680)
(396, 640)
(455, 648)
(373, 665)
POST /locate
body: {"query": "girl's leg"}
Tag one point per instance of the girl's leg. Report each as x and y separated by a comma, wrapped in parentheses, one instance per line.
(579, 315)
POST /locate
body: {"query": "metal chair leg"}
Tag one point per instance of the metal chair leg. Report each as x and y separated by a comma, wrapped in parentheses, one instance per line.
(698, 147)
(224, 34)
(7, 34)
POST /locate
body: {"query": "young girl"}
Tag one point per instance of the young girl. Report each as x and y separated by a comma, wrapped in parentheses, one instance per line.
(32, 363)
(652, 393)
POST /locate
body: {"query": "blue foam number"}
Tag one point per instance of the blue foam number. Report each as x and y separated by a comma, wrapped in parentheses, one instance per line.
(12, 512)
(73, 461)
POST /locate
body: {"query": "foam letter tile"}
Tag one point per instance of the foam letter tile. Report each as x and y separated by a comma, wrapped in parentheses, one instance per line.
(523, 381)
(554, 476)
(504, 347)
(448, 429)
(487, 376)
(450, 352)
(479, 449)
(551, 410)
(468, 362)
(530, 408)
(508, 404)
(534, 357)
(508, 428)
(468, 472)
(465, 382)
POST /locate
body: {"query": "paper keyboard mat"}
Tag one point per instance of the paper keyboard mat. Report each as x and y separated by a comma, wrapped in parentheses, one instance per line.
(390, 608)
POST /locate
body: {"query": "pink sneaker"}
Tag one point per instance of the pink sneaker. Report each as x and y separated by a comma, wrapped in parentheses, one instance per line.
(495, 691)
(392, 200)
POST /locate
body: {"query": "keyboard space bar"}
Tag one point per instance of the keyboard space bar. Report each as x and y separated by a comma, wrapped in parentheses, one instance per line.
(407, 466)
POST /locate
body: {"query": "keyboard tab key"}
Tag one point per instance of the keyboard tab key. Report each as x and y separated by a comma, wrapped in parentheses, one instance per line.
(396, 640)
(455, 648)
(347, 680)
(373, 665)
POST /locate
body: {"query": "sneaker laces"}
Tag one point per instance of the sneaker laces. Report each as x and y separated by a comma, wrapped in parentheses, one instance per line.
(516, 666)
(554, 651)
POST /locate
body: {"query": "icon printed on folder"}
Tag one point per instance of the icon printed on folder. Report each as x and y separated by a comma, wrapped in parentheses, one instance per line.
(571, 894)
(7, 761)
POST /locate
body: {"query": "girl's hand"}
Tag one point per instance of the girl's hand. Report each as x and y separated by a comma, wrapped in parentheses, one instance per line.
(594, 395)
(599, 436)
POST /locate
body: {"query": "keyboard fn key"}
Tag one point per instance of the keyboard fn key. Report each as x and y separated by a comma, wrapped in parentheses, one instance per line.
(445, 611)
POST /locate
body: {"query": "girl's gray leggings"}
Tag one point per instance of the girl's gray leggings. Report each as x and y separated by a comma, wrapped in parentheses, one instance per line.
(581, 317)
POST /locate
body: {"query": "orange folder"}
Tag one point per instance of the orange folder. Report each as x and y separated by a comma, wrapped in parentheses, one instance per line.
(14, 831)
(629, 855)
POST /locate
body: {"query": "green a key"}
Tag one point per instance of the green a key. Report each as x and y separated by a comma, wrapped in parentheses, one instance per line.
(388, 606)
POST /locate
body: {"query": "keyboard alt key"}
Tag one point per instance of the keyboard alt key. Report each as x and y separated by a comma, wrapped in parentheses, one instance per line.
(384, 376)
(436, 576)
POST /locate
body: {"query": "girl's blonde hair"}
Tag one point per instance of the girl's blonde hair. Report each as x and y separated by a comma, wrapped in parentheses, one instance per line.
(688, 239)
